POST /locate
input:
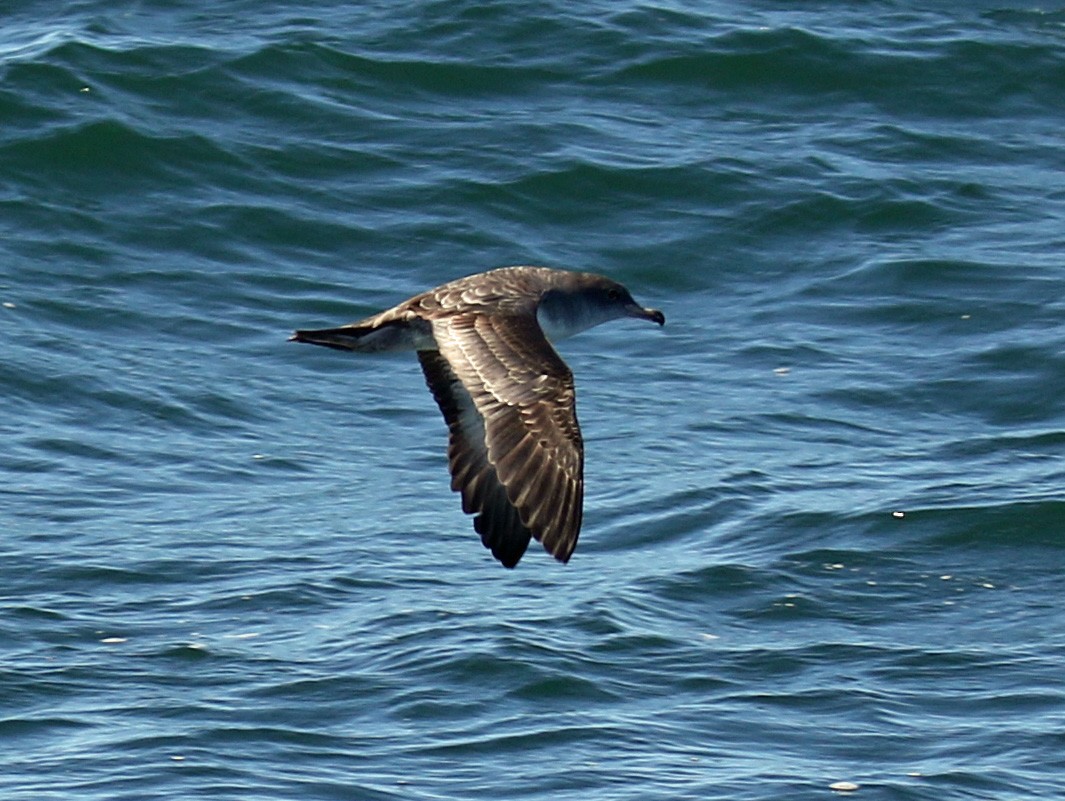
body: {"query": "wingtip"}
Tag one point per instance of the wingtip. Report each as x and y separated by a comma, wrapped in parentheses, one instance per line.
(564, 553)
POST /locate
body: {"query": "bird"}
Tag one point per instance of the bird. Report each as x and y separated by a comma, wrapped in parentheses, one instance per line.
(484, 342)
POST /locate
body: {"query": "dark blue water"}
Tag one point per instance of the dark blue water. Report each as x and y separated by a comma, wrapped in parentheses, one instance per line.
(825, 524)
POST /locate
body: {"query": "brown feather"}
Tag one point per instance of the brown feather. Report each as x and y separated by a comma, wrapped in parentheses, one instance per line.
(523, 393)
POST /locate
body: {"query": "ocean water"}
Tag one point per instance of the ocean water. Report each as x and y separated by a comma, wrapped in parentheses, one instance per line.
(825, 522)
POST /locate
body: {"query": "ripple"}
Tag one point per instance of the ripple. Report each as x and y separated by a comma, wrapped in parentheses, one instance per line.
(821, 540)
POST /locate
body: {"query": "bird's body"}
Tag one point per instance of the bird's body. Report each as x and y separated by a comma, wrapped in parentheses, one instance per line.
(515, 451)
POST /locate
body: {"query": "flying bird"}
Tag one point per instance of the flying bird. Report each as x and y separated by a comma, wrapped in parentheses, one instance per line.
(515, 451)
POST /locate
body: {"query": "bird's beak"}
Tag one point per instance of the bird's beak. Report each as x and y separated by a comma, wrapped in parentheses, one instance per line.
(640, 313)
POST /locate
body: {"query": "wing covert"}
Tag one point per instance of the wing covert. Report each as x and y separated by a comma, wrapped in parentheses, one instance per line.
(531, 445)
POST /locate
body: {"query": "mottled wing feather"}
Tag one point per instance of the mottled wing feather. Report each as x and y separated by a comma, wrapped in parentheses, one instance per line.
(472, 475)
(532, 447)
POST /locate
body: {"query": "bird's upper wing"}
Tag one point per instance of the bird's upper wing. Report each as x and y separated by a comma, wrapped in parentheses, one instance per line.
(516, 453)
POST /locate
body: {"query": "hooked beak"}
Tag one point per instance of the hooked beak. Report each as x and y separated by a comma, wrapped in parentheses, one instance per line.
(640, 313)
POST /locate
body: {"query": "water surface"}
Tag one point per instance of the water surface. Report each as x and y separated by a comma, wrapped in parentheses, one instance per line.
(824, 521)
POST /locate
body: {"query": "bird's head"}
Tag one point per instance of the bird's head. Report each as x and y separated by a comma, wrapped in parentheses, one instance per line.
(585, 300)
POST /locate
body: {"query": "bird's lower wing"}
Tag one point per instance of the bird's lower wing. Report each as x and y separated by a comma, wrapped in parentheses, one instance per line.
(497, 520)
(515, 441)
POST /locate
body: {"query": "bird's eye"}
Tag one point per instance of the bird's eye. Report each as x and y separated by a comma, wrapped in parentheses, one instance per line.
(613, 294)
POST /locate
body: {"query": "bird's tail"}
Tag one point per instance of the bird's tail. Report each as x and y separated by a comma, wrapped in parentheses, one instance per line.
(372, 335)
(346, 337)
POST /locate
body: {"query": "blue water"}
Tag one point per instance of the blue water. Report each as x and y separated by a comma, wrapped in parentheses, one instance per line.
(824, 525)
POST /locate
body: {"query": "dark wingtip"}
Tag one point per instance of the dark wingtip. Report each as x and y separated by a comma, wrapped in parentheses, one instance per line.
(506, 554)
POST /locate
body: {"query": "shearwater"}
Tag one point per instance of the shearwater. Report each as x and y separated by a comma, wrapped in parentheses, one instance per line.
(484, 343)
